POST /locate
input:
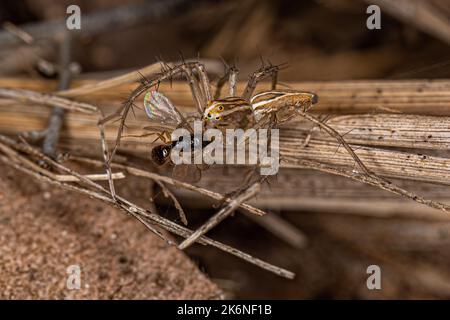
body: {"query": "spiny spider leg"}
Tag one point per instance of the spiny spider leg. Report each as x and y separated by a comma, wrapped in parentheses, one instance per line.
(205, 86)
(167, 73)
(197, 93)
(220, 83)
(258, 76)
(232, 81)
(332, 132)
(231, 74)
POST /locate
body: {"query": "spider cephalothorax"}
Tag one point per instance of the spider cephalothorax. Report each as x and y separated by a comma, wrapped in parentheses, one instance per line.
(236, 111)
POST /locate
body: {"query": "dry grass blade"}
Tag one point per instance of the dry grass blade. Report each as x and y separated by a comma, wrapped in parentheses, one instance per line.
(387, 130)
(421, 97)
(130, 77)
(282, 229)
(221, 215)
(18, 161)
(371, 180)
(383, 162)
(177, 204)
(173, 182)
(47, 99)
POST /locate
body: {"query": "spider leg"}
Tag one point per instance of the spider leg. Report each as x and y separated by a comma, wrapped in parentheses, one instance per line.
(232, 81)
(163, 136)
(259, 75)
(197, 93)
(332, 132)
(231, 75)
(220, 83)
(205, 86)
(167, 73)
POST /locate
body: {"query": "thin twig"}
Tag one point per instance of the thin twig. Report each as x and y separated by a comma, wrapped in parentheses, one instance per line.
(177, 204)
(57, 116)
(281, 229)
(140, 214)
(29, 96)
(371, 180)
(221, 215)
(43, 65)
(173, 182)
(133, 76)
(101, 21)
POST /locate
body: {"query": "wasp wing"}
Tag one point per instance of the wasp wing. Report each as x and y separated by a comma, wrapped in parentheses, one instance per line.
(161, 110)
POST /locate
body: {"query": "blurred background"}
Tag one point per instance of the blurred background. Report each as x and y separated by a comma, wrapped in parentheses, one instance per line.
(319, 40)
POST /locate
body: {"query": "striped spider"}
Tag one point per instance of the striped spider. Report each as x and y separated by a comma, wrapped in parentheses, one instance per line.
(248, 110)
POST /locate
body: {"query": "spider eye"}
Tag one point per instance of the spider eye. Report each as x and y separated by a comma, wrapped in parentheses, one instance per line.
(220, 108)
(209, 115)
(217, 118)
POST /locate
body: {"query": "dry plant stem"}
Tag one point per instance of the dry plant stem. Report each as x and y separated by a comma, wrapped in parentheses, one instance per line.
(140, 214)
(93, 177)
(68, 104)
(58, 177)
(221, 215)
(105, 154)
(184, 232)
(371, 180)
(63, 103)
(281, 229)
(368, 176)
(177, 204)
(18, 32)
(47, 99)
(133, 76)
(392, 130)
(28, 96)
(85, 191)
(411, 132)
(43, 65)
(101, 21)
(173, 182)
(36, 153)
(419, 97)
(384, 162)
(17, 165)
(31, 151)
(57, 116)
(129, 77)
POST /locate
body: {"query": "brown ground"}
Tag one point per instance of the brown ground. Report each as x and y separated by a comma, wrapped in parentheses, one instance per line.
(43, 231)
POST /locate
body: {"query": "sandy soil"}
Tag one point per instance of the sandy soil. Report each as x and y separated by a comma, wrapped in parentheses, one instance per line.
(43, 231)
